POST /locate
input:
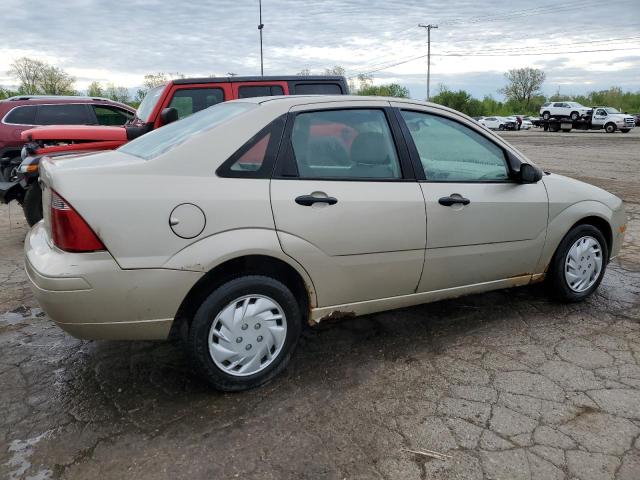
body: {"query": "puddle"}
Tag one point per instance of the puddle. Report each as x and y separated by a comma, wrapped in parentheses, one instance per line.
(21, 451)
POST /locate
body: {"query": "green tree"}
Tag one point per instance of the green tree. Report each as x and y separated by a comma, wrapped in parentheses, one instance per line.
(95, 89)
(523, 84)
(388, 90)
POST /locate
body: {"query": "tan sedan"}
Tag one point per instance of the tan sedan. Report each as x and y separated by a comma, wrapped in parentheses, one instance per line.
(234, 227)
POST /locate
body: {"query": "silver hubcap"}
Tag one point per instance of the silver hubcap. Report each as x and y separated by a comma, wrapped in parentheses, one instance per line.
(583, 264)
(247, 335)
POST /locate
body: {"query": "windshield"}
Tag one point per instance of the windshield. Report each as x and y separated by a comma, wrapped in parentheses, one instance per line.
(611, 110)
(159, 141)
(146, 106)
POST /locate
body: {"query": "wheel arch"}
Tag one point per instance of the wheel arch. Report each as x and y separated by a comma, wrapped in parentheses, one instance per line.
(253, 264)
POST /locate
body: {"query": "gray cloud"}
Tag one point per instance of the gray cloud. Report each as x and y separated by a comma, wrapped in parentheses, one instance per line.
(216, 37)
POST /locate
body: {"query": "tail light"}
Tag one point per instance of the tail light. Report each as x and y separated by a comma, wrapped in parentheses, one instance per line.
(69, 230)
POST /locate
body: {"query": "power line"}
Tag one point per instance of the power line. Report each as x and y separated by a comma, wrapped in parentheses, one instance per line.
(492, 55)
(604, 41)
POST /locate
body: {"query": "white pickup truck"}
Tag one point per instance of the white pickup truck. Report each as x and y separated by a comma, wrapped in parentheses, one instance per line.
(611, 120)
(598, 118)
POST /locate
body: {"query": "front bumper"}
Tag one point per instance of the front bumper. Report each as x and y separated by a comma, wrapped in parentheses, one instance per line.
(89, 296)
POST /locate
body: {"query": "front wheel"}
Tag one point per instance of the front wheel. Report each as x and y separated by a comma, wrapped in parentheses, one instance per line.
(574, 116)
(579, 264)
(546, 115)
(610, 128)
(501, 127)
(32, 204)
(245, 332)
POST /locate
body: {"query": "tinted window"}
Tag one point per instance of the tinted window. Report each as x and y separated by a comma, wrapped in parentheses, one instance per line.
(558, 104)
(192, 100)
(344, 144)
(162, 139)
(252, 159)
(318, 89)
(22, 115)
(452, 152)
(601, 112)
(248, 91)
(111, 115)
(63, 114)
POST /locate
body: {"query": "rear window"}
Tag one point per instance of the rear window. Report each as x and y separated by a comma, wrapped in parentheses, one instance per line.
(165, 138)
(249, 91)
(22, 115)
(318, 89)
(62, 114)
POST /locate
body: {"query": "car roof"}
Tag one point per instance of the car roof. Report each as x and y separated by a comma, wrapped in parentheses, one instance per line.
(295, 100)
(285, 78)
(19, 100)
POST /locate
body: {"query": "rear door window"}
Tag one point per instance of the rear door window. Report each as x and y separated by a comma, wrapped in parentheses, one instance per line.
(62, 114)
(25, 115)
(318, 89)
(344, 144)
(191, 100)
(247, 91)
(111, 115)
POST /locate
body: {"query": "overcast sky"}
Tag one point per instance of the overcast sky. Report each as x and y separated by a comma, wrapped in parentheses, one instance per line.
(117, 41)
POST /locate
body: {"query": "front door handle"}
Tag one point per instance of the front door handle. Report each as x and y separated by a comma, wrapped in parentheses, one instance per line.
(448, 201)
(308, 200)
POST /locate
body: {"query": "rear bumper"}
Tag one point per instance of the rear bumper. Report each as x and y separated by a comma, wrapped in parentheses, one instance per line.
(89, 296)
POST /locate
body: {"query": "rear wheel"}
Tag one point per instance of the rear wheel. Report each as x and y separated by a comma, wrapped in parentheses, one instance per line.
(546, 115)
(500, 127)
(574, 115)
(579, 264)
(245, 332)
(32, 204)
(610, 127)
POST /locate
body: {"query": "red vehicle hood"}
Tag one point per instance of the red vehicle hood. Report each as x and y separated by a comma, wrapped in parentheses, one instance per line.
(84, 133)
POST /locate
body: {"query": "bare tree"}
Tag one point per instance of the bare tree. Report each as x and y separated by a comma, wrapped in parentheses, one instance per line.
(305, 72)
(117, 94)
(55, 81)
(524, 83)
(29, 72)
(153, 80)
(336, 70)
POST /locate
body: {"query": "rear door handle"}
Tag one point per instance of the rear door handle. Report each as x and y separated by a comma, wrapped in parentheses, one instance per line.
(308, 200)
(448, 201)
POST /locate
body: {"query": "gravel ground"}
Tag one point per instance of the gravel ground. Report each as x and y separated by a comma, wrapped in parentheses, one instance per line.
(508, 385)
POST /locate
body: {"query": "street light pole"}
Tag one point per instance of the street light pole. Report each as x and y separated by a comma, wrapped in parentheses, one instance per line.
(428, 27)
(260, 27)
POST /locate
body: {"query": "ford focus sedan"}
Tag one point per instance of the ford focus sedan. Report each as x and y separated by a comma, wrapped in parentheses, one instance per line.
(233, 228)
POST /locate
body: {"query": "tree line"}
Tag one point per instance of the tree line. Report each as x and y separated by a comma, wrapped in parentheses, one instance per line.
(522, 91)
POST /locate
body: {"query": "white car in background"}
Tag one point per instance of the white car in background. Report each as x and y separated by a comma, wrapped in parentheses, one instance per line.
(495, 123)
(573, 110)
(526, 124)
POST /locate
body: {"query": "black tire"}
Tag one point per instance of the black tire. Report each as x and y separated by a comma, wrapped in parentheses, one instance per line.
(574, 116)
(556, 281)
(500, 127)
(32, 204)
(624, 130)
(554, 128)
(610, 127)
(566, 130)
(198, 338)
(546, 115)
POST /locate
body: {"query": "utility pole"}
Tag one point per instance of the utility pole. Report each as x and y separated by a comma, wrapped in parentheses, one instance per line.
(260, 27)
(428, 27)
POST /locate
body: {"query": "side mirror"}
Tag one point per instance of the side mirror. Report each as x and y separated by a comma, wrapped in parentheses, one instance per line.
(168, 115)
(529, 174)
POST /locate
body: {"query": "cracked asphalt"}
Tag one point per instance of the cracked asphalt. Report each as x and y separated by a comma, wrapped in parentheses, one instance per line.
(508, 385)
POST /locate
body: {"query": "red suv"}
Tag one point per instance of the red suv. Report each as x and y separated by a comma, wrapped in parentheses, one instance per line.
(164, 104)
(24, 112)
